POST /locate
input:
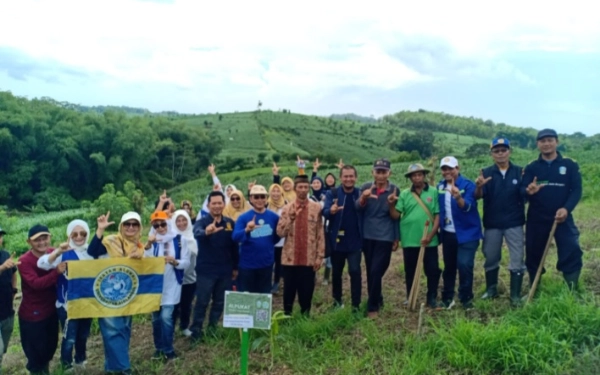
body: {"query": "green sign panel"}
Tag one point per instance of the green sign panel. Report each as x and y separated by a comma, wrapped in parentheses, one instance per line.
(247, 310)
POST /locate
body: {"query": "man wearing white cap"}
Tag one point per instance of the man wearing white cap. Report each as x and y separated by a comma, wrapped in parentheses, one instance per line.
(460, 232)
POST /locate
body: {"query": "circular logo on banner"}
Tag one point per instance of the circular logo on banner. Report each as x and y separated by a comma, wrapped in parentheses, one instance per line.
(116, 286)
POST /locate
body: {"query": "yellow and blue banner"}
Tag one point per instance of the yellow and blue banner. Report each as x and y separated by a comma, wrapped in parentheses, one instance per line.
(114, 287)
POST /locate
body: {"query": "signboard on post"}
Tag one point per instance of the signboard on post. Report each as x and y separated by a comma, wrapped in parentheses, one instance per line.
(247, 310)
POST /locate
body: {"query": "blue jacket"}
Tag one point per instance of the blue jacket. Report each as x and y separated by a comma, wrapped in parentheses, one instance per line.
(467, 222)
(335, 221)
(503, 204)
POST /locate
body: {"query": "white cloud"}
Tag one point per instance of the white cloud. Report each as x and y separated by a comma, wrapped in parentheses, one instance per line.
(275, 48)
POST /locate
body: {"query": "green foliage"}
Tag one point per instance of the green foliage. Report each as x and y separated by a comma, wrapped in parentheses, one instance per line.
(53, 156)
(477, 149)
(421, 142)
(117, 202)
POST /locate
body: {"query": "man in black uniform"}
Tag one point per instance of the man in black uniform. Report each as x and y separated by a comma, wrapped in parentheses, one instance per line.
(552, 184)
(503, 218)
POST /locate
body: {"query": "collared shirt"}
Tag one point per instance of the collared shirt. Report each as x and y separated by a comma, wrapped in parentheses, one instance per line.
(503, 204)
(377, 224)
(466, 220)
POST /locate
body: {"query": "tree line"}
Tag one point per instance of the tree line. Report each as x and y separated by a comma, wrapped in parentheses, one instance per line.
(53, 156)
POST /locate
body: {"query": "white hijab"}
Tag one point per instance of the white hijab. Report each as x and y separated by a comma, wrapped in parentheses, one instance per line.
(188, 233)
(70, 229)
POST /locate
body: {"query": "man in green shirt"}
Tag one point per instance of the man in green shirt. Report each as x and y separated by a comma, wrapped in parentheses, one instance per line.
(418, 205)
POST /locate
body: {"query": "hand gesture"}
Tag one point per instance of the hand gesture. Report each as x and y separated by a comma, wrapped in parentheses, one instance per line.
(251, 225)
(251, 184)
(335, 208)
(395, 245)
(103, 222)
(481, 180)
(293, 212)
(340, 165)
(61, 268)
(213, 228)
(316, 165)
(169, 260)
(533, 187)
(453, 189)
(275, 169)
(561, 215)
(151, 239)
(216, 187)
(63, 247)
(136, 255)
(366, 194)
(211, 169)
(392, 199)
(9, 263)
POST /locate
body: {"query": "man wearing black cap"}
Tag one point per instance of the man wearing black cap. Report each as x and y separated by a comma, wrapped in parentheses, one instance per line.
(381, 232)
(552, 184)
(38, 319)
(503, 218)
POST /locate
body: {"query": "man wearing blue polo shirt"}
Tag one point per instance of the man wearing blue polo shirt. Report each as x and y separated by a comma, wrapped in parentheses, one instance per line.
(503, 218)
(552, 184)
(460, 234)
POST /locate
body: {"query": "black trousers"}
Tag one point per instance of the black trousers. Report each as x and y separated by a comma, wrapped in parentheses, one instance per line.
(338, 261)
(430, 265)
(277, 266)
(298, 280)
(183, 310)
(39, 341)
(377, 260)
(566, 237)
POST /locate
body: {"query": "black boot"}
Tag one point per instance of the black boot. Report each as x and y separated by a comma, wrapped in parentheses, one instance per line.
(572, 279)
(491, 282)
(516, 282)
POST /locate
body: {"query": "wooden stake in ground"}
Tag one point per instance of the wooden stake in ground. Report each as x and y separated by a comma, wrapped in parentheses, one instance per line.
(414, 290)
(541, 266)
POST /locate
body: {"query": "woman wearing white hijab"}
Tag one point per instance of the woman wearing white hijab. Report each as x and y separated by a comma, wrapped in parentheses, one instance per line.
(75, 331)
(183, 310)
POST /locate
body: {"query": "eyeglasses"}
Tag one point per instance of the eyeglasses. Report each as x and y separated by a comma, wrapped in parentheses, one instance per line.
(499, 150)
(260, 196)
(235, 199)
(159, 225)
(133, 224)
(79, 234)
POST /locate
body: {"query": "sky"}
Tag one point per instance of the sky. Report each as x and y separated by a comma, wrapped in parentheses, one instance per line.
(524, 63)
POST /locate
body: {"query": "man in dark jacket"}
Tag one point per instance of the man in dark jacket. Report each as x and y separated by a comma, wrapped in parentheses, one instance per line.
(344, 235)
(552, 184)
(503, 218)
(216, 265)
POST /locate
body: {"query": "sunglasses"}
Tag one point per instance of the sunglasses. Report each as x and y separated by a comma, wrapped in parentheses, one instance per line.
(260, 196)
(133, 224)
(159, 225)
(79, 234)
(499, 150)
(234, 199)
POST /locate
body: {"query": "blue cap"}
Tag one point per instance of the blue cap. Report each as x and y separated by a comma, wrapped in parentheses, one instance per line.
(500, 141)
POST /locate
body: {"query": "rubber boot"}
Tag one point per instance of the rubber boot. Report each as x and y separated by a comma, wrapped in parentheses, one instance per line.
(572, 279)
(516, 282)
(491, 282)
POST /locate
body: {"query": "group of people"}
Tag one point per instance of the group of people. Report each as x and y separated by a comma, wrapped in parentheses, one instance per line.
(290, 231)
